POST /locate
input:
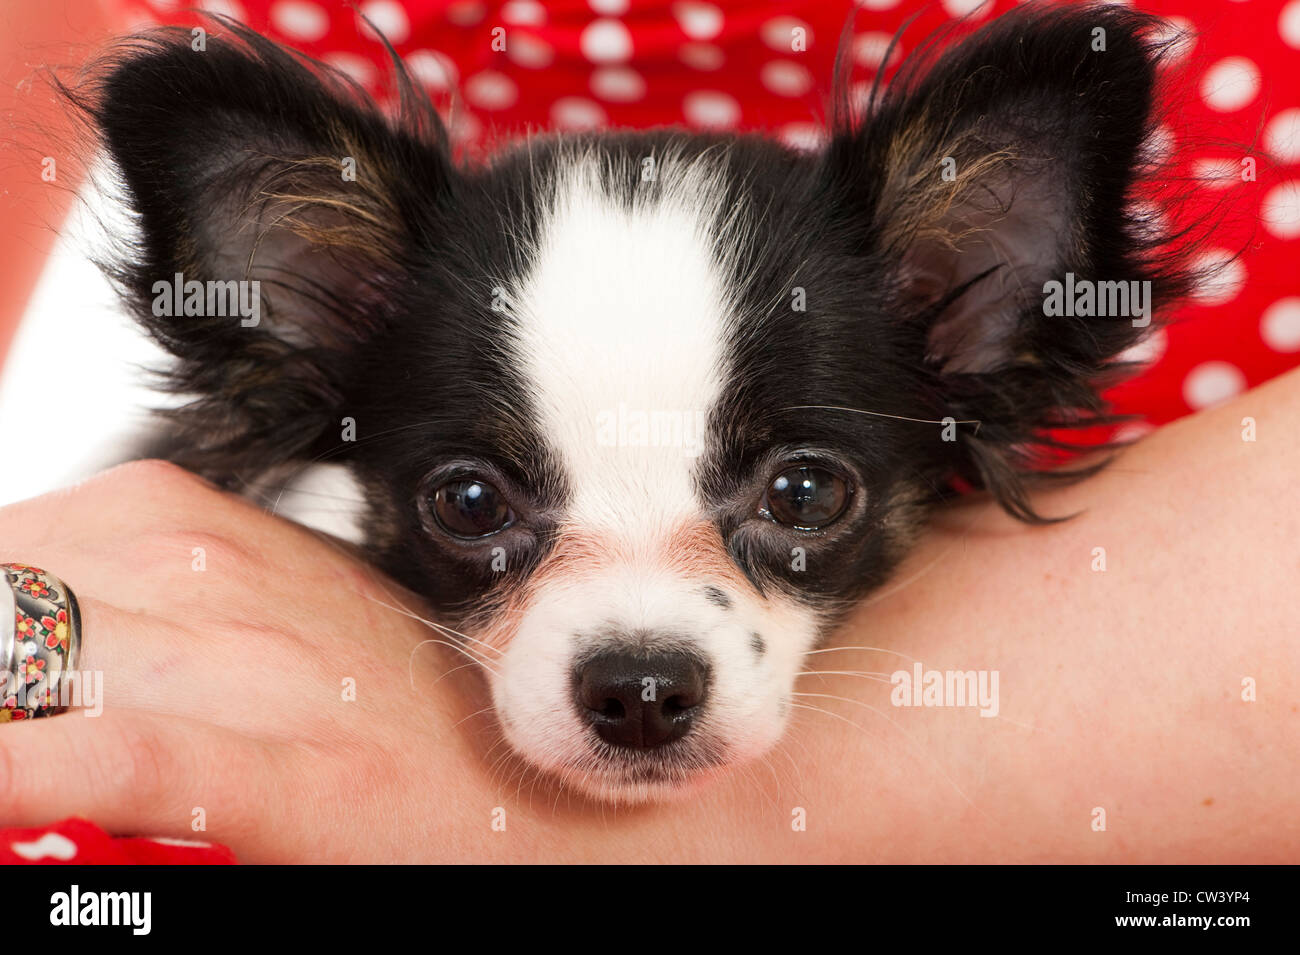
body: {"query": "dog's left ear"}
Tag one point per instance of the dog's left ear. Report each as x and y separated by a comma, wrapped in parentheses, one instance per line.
(987, 173)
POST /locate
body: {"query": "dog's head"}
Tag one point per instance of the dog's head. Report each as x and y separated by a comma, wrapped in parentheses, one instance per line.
(642, 414)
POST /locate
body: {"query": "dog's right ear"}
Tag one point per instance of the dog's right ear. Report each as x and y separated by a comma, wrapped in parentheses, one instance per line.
(247, 163)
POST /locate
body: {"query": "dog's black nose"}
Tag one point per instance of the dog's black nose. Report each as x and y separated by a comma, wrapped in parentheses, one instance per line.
(641, 700)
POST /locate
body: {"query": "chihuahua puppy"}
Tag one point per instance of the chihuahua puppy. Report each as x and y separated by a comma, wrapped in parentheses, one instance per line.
(642, 414)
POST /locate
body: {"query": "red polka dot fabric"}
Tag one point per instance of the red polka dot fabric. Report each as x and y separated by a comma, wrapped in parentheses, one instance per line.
(78, 842)
(498, 69)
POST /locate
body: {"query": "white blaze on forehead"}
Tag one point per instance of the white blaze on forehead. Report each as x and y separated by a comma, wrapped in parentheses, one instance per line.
(620, 330)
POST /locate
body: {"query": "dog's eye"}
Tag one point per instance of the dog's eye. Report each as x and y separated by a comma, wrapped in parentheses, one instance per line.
(469, 508)
(806, 497)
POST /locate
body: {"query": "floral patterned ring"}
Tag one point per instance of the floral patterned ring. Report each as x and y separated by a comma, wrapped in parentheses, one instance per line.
(40, 640)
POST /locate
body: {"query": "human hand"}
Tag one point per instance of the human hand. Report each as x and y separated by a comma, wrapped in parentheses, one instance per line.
(257, 679)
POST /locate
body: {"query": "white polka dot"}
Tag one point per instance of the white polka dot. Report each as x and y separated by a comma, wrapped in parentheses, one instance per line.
(606, 41)
(491, 90)
(608, 8)
(188, 843)
(466, 13)
(1280, 211)
(529, 51)
(780, 34)
(463, 126)
(1149, 350)
(710, 109)
(1217, 173)
(299, 20)
(701, 56)
(225, 8)
(1230, 84)
(524, 13)
(1150, 220)
(1282, 136)
(699, 21)
(575, 112)
(435, 70)
(976, 9)
(880, 4)
(806, 137)
(1159, 146)
(357, 67)
(860, 98)
(1212, 383)
(869, 49)
(786, 78)
(1179, 33)
(1132, 431)
(617, 84)
(1280, 325)
(51, 845)
(1221, 277)
(1288, 24)
(137, 21)
(389, 19)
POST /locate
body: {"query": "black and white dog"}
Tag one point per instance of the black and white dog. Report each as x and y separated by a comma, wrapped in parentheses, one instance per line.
(641, 414)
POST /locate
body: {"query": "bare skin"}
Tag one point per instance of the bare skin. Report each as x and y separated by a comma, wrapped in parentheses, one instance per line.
(1120, 689)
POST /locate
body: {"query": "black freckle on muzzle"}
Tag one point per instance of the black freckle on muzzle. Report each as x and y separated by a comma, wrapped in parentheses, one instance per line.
(717, 597)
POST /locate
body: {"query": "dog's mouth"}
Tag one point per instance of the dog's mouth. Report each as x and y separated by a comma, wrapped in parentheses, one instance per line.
(622, 775)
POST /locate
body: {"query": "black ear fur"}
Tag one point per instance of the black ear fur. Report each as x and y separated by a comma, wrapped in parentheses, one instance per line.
(1045, 133)
(233, 157)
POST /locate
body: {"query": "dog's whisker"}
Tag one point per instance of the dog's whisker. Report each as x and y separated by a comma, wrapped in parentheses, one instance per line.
(526, 772)
(907, 738)
(757, 787)
(437, 626)
(454, 643)
(938, 558)
(308, 492)
(834, 715)
(794, 766)
(446, 643)
(882, 414)
(866, 674)
(463, 666)
(505, 764)
(777, 782)
(875, 649)
(480, 712)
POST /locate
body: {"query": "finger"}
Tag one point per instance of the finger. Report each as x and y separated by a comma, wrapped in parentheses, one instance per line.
(137, 663)
(131, 661)
(128, 773)
(113, 501)
(156, 539)
(134, 661)
(125, 533)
